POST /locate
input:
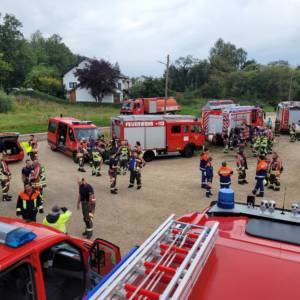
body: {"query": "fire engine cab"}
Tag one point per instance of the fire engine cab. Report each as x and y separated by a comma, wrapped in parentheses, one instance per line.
(220, 119)
(160, 134)
(287, 113)
(65, 133)
(229, 252)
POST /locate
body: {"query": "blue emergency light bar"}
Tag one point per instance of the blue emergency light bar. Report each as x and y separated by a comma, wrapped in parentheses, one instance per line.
(14, 236)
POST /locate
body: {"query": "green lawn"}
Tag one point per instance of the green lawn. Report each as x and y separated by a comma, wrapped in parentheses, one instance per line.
(31, 115)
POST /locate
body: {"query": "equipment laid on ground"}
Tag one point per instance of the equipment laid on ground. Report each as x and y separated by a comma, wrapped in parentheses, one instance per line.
(220, 118)
(65, 134)
(10, 145)
(141, 106)
(287, 113)
(160, 134)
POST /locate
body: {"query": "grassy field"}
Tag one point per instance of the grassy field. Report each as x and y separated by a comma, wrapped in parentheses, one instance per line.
(31, 114)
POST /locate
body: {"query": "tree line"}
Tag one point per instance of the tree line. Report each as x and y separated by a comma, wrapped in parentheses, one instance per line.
(226, 73)
(37, 62)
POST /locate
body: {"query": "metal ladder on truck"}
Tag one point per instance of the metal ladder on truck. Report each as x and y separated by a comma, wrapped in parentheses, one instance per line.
(166, 266)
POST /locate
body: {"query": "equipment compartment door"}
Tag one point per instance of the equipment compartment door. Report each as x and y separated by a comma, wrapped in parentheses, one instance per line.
(133, 134)
(294, 116)
(155, 137)
(152, 107)
(215, 124)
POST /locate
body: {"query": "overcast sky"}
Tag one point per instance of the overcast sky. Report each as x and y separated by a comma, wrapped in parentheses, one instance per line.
(137, 33)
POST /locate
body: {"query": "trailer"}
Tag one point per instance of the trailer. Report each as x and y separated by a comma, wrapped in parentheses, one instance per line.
(219, 120)
(141, 106)
(287, 113)
(160, 134)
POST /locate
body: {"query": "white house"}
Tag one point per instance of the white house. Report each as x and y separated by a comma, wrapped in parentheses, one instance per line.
(78, 94)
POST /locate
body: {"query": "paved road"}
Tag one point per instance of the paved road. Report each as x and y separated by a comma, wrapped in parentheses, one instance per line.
(170, 185)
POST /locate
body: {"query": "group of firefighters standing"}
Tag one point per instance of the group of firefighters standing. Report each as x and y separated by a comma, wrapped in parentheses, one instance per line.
(268, 169)
(118, 154)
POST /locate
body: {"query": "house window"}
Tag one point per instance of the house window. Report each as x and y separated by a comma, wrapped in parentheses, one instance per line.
(119, 85)
(72, 85)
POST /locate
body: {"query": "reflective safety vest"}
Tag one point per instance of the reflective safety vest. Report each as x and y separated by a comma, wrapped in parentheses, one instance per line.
(96, 156)
(261, 169)
(264, 142)
(29, 203)
(225, 173)
(43, 182)
(60, 223)
(124, 153)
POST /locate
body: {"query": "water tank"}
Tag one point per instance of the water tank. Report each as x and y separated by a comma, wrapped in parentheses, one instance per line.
(226, 198)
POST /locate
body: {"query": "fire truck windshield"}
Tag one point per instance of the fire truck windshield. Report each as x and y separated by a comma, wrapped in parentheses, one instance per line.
(86, 133)
(127, 105)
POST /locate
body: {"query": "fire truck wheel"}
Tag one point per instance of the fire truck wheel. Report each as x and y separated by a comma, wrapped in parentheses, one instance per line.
(149, 155)
(75, 158)
(188, 151)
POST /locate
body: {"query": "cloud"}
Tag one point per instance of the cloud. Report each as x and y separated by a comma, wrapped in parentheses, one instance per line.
(138, 33)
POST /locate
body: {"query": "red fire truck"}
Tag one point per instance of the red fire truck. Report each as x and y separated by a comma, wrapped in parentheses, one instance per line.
(65, 133)
(220, 119)
(10, 145)
(141, 106)
(287, 113)
(243, 252)
(160, 134)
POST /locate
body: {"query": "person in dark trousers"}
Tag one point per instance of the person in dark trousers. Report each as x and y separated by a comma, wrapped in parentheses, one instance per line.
(27, 171)
(241, 164)
(5, 177)
(87, 201)
(29, 203)
(34, 147)
(225, 173)
(135, 166)
(209, 173)
(261, 174)
(113, 172)
(203, 162)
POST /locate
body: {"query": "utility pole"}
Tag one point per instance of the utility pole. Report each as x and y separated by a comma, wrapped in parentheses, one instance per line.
(167, 64)
(290, 89)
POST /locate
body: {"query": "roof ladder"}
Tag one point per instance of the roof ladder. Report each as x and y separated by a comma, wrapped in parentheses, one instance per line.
(166, 266)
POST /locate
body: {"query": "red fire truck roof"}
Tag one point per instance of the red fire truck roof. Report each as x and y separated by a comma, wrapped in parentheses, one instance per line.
(73, 121)
(130, 118)
(36, 235)
(256, 256)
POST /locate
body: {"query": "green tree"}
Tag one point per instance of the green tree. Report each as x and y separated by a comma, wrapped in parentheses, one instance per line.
(5, 69)
(226, 57)
(148, 87)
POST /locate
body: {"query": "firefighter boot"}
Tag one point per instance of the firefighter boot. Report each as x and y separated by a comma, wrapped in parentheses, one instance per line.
(261, 194)
(254, 192)
(139, 187)
(130, 185)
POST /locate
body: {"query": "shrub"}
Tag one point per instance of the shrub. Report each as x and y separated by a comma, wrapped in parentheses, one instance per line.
(5, 102)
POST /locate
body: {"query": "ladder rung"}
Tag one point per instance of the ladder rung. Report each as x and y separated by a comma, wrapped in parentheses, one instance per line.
(175, 248)
(161, 268)
(177, 259)
(130, 288)
(165, 278)
(189, 234)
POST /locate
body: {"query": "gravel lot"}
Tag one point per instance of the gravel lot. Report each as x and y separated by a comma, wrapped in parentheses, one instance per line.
(170, 185)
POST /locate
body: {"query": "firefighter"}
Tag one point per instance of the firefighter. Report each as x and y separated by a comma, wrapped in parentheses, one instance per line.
(277, 128)
(35, 177)
(135, 166)
(256, 145)
(81, 154)
(209, 174)
(270, 141)
(138, 146)
(96, 161)
(242, 166)
(29, 203)
(34, 147)
(269, 123)
(261, 173)
(225, 174)
(91, 144)
(293, 132)
(275, 170)
(87, 201)
(27, 171)
(58, 218)
(113, 173)
(264, 144)
(203, 161)
(43, 181)
(123, 154)
(5, 177)
(226, 142)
